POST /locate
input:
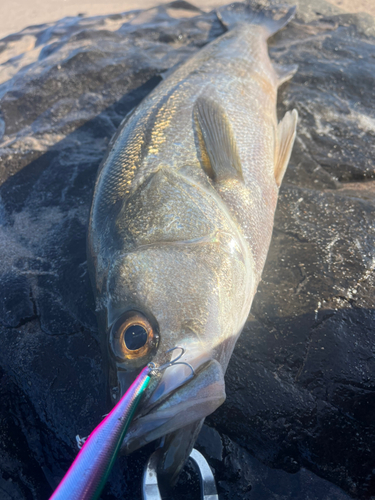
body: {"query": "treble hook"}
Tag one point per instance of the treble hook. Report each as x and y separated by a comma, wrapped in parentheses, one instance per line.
(172, 362)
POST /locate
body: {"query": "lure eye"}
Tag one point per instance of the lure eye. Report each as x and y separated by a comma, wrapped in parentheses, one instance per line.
(133, 337)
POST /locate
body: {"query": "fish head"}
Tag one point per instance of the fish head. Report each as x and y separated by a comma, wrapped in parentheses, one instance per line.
(169, 300)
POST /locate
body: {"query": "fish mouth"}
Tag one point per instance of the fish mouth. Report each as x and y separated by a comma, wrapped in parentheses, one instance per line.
(178, 400)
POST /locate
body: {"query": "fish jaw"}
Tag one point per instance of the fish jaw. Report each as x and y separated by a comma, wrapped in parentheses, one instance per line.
(168, 409)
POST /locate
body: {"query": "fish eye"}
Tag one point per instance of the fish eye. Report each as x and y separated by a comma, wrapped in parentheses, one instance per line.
(133, 337)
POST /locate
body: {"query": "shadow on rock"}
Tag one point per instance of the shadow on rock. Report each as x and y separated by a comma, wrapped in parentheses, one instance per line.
(303, 396)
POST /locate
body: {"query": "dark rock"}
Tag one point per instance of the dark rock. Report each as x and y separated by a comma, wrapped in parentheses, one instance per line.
(300, 406)
(16, 305)
(210, 444)
(245, 478)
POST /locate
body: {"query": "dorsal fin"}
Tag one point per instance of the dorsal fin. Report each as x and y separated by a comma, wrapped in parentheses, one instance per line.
(286, 133)
(218, 140)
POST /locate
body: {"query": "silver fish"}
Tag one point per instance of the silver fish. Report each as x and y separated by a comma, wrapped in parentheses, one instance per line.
(181, 222)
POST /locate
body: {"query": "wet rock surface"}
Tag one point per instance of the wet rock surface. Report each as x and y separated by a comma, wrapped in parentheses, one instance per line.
(300, 411)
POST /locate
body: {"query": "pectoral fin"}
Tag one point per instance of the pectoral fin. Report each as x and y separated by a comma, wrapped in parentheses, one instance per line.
(286, 133)
(216, 136)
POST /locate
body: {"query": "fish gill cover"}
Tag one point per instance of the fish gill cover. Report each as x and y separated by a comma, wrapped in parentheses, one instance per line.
(300, 411)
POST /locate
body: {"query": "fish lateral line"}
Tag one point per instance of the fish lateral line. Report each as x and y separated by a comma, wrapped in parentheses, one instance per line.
(166, 243)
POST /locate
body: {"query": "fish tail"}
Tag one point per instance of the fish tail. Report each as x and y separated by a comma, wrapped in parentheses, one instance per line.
(271, 18)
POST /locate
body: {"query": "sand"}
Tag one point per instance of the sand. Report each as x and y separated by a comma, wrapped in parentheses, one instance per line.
(18, 14)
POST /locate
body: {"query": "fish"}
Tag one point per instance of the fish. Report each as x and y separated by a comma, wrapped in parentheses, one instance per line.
(180, 225)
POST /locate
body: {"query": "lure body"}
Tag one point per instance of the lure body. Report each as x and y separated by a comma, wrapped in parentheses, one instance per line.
(88, 473)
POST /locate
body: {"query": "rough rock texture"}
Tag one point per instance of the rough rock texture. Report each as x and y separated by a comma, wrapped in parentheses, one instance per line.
(299, 418)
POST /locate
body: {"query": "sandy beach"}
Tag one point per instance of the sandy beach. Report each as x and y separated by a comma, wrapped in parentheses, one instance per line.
(16, 15)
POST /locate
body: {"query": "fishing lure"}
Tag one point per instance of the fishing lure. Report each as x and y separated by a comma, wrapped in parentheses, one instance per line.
(88, 473)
